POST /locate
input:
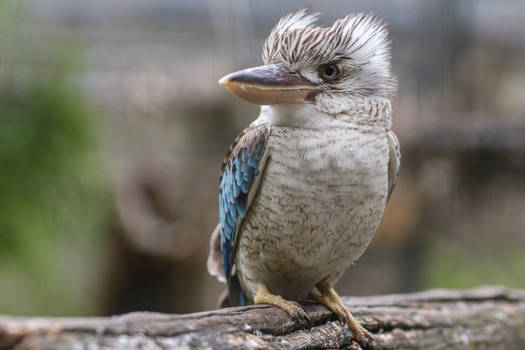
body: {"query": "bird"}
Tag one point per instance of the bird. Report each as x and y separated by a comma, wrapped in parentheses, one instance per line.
(304, 186)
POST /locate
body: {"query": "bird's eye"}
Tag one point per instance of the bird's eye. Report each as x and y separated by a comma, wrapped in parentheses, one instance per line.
(329, 71)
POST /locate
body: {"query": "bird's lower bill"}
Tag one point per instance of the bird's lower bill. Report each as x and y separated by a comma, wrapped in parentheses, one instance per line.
(269, 85)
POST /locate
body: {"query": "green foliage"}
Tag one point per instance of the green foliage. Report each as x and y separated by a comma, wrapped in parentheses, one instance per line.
(52, 185)
(44, 134)
(449, 265)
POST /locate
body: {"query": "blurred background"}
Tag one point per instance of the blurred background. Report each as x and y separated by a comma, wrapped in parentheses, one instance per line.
(113, 129)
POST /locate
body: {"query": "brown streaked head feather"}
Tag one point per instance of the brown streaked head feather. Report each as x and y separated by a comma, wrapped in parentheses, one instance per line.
(360, 42)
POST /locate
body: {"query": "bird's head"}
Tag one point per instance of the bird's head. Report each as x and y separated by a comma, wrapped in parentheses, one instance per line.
(306, 63)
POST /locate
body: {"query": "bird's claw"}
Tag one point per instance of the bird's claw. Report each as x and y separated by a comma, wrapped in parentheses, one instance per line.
(294, 309)
(331, 299)
(362, 336)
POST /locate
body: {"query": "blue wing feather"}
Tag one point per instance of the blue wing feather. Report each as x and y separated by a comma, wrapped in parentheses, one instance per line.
(239, 172)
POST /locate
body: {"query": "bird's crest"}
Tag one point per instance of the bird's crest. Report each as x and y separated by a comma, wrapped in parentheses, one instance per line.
(297, 41)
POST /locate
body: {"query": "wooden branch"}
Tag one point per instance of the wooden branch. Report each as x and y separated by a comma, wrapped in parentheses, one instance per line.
(483, 318)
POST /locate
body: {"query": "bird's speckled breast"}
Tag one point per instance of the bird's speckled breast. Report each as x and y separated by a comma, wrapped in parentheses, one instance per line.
(321, 199)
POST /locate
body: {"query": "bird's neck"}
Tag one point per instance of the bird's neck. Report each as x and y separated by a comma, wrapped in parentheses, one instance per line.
(374, 114)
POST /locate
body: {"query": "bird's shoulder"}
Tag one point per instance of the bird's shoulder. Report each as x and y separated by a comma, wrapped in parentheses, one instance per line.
(251, 141)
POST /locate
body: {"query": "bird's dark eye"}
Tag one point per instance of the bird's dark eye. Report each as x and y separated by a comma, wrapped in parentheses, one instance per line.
(329, 71)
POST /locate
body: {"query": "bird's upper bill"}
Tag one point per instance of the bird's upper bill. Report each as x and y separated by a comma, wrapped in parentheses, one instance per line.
(270, 84)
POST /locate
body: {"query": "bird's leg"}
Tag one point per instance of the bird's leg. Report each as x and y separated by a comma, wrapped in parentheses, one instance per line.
(263, 296)
(332, 300)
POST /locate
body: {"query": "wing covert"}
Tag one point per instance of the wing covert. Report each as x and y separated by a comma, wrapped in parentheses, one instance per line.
(242, 165)
(394, 161)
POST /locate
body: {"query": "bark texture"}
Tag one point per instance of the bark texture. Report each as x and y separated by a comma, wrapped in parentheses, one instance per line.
(483, 318)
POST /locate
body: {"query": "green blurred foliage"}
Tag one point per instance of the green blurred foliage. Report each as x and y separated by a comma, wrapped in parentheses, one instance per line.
(52, 188)
(450, 265)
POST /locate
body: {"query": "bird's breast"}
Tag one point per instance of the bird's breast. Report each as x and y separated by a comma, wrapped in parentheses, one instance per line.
(321, 198)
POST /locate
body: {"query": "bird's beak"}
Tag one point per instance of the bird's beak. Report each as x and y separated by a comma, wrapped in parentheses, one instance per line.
(270, 84)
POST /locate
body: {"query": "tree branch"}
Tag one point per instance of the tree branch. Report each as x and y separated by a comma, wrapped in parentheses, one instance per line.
(487, 318)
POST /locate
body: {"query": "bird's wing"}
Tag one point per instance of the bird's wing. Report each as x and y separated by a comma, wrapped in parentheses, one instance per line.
(239, 181)
(394, 161)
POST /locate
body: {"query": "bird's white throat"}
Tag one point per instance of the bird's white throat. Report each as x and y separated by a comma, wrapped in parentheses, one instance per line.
(294, 115)
(372, 113)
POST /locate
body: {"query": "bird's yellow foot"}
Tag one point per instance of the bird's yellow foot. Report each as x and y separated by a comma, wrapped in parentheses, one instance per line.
(263, 296)
(332, 300)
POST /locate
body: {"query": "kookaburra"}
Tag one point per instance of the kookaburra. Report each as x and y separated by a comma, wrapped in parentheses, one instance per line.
(303, 188)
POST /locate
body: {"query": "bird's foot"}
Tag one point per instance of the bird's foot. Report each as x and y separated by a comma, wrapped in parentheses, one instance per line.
(263, 296)
(332, 300)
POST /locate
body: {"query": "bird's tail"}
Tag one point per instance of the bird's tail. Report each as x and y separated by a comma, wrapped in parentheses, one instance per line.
(233, 295)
